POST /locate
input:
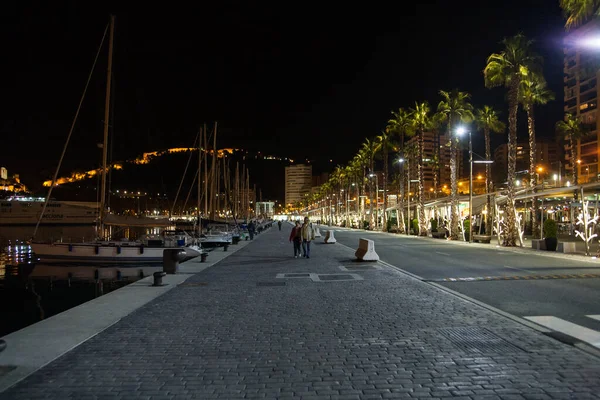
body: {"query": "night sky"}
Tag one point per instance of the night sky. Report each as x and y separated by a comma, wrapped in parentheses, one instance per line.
(293, 79)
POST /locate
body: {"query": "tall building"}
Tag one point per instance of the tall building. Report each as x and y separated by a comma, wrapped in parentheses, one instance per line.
(549, 157)
(581, 97)
(264, 209)
(298, 181)
(435, 147)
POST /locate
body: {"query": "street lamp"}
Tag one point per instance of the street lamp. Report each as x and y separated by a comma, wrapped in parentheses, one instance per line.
(460, 131)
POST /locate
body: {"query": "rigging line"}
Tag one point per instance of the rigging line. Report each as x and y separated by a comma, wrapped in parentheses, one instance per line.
(185, 172)
(191, 187)
(70, 133)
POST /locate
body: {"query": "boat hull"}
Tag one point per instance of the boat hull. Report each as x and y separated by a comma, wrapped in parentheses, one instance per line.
(91, 253)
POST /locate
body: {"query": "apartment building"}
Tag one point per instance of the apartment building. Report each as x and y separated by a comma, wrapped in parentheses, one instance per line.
(581, 97)
(298, 182)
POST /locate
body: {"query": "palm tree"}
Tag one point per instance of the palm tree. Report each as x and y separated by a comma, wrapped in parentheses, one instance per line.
(363, 161)
(572, 129)
(421, 120)
(578, 11)
(454, 108)
(369, 149)
(400, 124)
(383, 145)
(533, 91)
(507, 69)
(487, 120)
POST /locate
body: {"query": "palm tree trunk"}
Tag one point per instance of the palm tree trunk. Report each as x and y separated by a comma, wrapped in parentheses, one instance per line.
(385, 179)
(532, 166)
(362, 199)
(453, 185)
(510, 234)
(371, 195)
(488, 182)
(422, 222)
(400, 202)
(573, 159)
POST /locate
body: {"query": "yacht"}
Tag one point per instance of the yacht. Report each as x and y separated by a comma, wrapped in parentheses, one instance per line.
(26, 211)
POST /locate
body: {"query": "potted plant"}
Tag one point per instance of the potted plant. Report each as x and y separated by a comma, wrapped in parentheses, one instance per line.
(550, 234)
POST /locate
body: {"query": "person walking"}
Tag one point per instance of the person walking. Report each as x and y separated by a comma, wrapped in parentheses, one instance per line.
(307, 235)
(295, 237)
(279, 224)
(251, 228)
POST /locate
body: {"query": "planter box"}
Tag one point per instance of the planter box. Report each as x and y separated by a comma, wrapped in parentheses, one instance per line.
(566, 247)
(538, 244)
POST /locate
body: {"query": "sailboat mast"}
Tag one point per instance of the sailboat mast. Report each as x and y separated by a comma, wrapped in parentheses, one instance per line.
(236, 194)
(205, 172)
(106, 120)
(198, 219)
(213, 175)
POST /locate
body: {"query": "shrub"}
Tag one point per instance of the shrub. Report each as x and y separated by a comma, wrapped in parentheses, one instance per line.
(415, 226)
(434, 224)
(550, 228)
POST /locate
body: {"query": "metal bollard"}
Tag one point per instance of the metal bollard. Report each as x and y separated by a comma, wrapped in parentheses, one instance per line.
(158, 278)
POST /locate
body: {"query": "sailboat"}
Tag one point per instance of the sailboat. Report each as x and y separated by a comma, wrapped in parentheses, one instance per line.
(147, 251)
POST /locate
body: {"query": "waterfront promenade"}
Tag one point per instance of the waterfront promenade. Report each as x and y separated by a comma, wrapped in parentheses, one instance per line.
(330, 329)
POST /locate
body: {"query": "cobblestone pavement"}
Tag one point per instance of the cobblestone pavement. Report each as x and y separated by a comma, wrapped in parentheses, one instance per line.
(230, 333)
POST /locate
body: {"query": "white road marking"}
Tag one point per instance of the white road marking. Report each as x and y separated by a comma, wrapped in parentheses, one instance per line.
(577, 331)
(596, 317)
(444, 254)
(519, 269)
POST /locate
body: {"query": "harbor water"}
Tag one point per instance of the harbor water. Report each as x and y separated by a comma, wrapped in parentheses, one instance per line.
(31, 291)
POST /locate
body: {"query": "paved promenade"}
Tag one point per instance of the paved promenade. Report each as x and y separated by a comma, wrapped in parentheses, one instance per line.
(334, 329)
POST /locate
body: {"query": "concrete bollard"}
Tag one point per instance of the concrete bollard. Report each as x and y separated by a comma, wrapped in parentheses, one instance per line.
(329, 237)
(366, 250)
(171, 259)
(158, 278)
(317, 233)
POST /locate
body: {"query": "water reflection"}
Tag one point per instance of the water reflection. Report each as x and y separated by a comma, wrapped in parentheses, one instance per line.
(30, 291)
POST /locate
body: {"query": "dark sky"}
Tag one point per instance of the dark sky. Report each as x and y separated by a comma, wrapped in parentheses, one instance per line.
(297, 79)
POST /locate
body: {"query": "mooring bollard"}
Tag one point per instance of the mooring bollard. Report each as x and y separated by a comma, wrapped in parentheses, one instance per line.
(171, 259)
(225, 246)
(158, 278)
(2, 345)
(203, 257)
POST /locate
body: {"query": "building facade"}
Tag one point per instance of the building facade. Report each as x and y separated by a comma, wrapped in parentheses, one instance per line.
(264, 209)
(549, 158)
(436, 157)
(581, 98)
(298, 182)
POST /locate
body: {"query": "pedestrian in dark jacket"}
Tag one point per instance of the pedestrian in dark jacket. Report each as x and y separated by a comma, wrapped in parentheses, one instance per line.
(296, 238)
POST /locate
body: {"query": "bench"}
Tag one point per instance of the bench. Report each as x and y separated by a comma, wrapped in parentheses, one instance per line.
(482, 238)
(439, 233)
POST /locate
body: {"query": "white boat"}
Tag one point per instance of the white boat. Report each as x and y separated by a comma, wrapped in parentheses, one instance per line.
(147, 251)
(109, 252)
(26, 211)
(217, 235)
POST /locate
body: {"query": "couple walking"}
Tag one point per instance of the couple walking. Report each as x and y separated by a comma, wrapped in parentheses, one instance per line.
(302, 235)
